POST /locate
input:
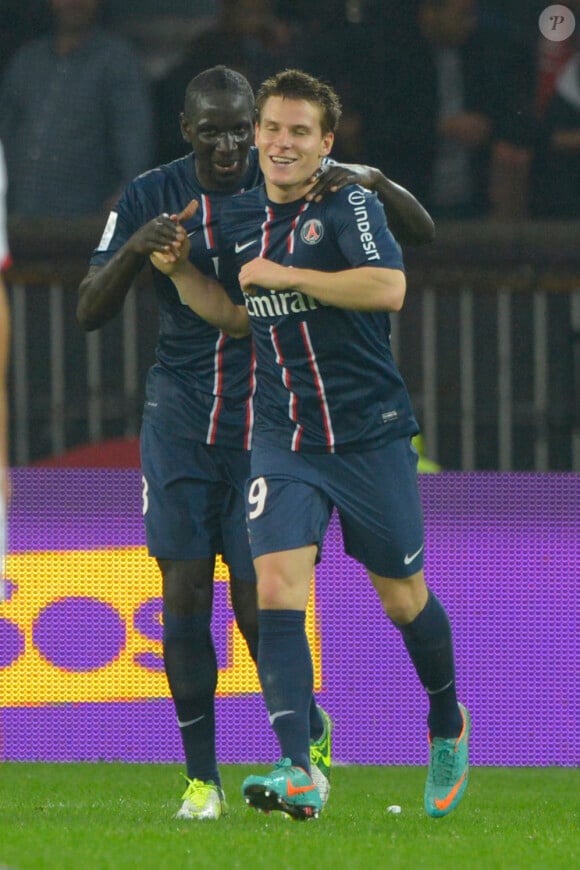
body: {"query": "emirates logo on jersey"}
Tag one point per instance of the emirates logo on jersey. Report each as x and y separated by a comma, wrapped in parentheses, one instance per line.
(312, 231)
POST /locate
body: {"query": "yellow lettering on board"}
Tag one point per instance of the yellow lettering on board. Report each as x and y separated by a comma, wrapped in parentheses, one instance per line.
(125, 579)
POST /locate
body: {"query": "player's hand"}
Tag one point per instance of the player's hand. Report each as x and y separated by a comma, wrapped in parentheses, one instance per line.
(163, 233)
(261, 272)
(328, 179)
(187, 213)
(171, 259)
(156, 235)
(168, 258)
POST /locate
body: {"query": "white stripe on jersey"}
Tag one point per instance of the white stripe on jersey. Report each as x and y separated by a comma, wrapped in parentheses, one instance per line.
(265, 228)
(221, 339)
(290, 242)
(311, 356)
(266, 231)
(217, 387)
(324, 409)
(206, 221)
(250, 403)
(292, 400)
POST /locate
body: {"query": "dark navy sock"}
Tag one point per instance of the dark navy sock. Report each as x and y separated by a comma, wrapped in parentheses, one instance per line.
(316, 721)
(429, 643)
(191, 668)
(286, 675)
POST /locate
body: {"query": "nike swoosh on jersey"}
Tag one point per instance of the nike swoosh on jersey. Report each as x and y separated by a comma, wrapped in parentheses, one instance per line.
(239, 248)
(408, 559)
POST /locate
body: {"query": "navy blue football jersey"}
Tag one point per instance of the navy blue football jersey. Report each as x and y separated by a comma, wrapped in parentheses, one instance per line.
(202, 384)
(327, 380)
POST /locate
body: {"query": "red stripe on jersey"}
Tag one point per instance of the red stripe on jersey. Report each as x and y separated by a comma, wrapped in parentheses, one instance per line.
(292, 399)
(250, 402)
(266, 231)
(206, 222)
(297, 438)
(6, 263)
(218, 380)
(319, 383)
(290, 239)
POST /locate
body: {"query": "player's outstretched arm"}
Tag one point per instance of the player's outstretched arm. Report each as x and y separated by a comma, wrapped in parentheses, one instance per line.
(204, 295)
(366, 288)
(409, 221)
(103, 290)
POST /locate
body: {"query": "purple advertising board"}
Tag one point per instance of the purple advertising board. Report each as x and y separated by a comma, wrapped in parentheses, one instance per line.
(81, 675)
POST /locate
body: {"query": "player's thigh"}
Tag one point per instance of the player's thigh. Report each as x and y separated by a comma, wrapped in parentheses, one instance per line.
(183, 495)
(285, 509)
(377, 496)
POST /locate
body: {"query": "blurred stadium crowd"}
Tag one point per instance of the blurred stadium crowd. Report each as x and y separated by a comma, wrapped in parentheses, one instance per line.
(464, 102)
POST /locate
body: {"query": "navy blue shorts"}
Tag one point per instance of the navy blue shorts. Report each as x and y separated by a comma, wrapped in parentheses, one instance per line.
(193, 500)
(290, 497)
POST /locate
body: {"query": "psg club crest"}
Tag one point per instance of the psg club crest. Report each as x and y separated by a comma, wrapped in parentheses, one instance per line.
(312, 231)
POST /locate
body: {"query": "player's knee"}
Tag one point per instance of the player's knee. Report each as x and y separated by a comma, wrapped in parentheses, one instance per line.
(284, 583)
(402, 599)
(401, 613)
(275, 592)
(187, 586)
(272, 594)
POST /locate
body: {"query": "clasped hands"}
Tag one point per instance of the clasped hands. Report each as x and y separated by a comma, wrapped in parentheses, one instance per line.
(173, 241)
(174, 248)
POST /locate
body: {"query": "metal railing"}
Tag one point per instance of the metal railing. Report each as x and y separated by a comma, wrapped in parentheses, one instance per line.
(488, 343)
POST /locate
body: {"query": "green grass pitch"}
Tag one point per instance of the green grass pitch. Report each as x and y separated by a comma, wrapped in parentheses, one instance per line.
(93, 816)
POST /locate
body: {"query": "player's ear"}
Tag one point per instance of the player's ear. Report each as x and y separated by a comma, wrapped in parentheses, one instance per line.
(184, 125)
(326, 145)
